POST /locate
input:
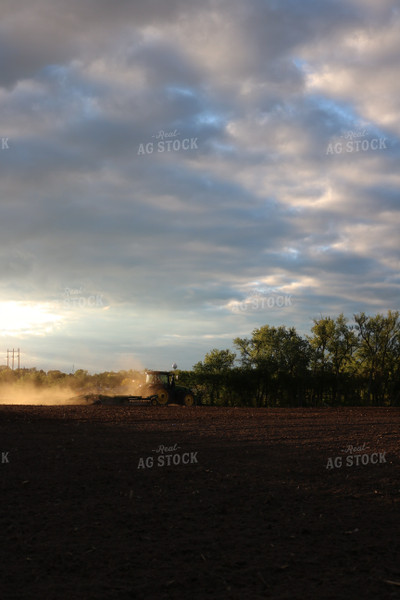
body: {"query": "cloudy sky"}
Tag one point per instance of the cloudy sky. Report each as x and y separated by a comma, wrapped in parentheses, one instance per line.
(175, 173)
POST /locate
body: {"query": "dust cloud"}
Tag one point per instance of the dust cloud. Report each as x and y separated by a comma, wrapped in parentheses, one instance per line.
(28, 394)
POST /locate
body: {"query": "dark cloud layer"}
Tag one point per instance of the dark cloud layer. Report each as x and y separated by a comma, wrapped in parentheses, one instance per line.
(157, 248)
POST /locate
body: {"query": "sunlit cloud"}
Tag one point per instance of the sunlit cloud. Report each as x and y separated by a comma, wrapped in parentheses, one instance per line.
(25, 318)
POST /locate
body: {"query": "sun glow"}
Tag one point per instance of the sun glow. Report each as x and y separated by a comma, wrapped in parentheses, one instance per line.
(27, 317)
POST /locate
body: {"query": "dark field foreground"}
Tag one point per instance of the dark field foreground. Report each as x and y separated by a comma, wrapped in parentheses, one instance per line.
(253, 514)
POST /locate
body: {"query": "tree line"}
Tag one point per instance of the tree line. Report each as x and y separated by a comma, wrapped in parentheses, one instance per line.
(338, 364)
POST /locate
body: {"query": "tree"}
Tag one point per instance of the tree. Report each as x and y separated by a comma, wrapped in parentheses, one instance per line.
(212, 373)
(279, 357)
(333, 345)
(378, 353)
(55, 377)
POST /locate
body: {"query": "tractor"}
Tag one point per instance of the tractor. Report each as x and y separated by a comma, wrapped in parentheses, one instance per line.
(163, 385)
(158, 388)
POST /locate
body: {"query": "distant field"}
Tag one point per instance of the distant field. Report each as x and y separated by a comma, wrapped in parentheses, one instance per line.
(252, 513)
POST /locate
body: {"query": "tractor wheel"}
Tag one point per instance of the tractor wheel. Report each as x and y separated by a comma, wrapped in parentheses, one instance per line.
(188, 400)
(154, 401)
(163, 396)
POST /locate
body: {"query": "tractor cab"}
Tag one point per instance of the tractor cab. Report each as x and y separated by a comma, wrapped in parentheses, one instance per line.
(164, 378)
(162, 383)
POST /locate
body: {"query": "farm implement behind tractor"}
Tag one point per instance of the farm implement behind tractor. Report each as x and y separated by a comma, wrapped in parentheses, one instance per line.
(159, 388)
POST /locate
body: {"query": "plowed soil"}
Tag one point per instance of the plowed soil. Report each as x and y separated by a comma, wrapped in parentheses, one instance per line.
(254, 514)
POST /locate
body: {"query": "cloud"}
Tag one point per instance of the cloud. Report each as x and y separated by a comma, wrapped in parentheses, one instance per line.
(171, 241)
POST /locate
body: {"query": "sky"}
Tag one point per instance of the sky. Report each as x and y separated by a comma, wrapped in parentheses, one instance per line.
(175, 174)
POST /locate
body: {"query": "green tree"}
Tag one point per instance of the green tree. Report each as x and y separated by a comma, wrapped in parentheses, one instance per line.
(213, 374)
(279, 357)
(333, 345)
(378, 353)
(55, 377)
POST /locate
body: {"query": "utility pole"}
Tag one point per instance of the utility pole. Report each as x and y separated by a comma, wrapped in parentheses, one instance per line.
(11, 357)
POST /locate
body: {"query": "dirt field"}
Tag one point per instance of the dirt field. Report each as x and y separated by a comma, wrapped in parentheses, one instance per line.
(253, 514)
